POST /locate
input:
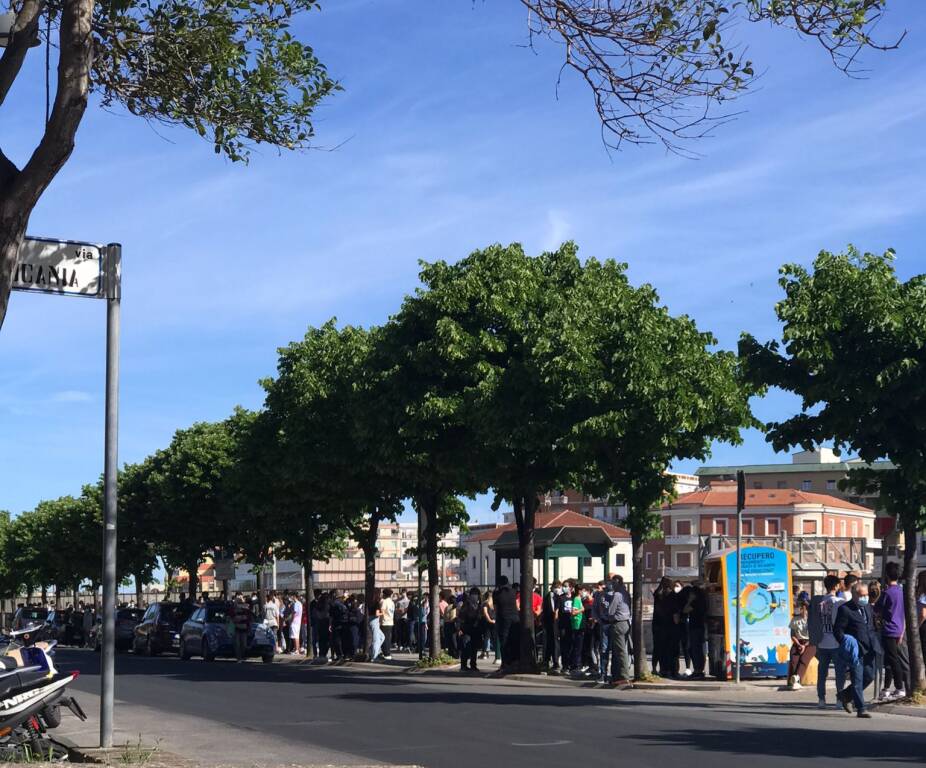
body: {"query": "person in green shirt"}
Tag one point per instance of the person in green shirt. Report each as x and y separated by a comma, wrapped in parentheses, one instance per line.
(578, 627)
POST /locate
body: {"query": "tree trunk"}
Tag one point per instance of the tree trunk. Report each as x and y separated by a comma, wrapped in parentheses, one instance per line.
(193, 583)
(309, 597)
(57, 598)
(434, 585)
(20, 190)
(369, 585)
(76, 593)
(639, 647)
(910, 611)
(261, 589)
(525, 510)
(139, 592)
(12, 231)
(44, 595)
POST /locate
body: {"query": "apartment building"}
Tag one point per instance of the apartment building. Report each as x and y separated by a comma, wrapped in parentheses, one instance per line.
(823, 533)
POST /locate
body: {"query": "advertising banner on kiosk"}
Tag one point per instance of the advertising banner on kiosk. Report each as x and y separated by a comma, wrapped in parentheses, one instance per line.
(765, 610)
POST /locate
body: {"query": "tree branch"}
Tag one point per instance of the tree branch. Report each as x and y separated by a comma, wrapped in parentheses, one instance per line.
(8, 171)
(24, 31)
(57, 143)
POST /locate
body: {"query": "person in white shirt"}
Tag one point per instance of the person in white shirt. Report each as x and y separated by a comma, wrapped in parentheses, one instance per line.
(387, 622)
(295, 629)
(272, 618)
(820, 621)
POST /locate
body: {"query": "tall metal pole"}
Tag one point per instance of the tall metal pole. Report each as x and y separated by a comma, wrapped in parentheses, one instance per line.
(110, 477)
(740, 503)
(419, 629)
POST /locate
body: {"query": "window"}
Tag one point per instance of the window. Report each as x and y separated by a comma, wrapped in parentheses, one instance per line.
(832, 527)
(772, 527)
(854, 529)
(649, 560)
(586, 562)
(662, 559)
(720, 526)
(683, 559)
(805, 485)
(757, 485)
(809, 527)
(683, 527)
(619, 561)
(842, 527)
(747, 526)
(781, 484)
(508, 562)
(923, 546)
(831, 485)
(474, 562)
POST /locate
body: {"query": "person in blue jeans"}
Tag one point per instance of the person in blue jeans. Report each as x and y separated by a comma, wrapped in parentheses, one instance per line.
(820, 621)
(855, 620)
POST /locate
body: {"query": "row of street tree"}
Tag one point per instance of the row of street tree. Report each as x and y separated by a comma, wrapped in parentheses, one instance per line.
(507, 374)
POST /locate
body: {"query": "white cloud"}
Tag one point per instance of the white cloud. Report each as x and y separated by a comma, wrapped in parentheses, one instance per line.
(72, 396)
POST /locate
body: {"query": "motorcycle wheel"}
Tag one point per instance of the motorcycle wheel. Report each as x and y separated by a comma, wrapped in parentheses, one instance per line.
(267, 658)
(52, 716)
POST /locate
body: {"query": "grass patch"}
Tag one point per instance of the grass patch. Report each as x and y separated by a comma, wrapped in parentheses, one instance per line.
(137, 753)
(437, 661)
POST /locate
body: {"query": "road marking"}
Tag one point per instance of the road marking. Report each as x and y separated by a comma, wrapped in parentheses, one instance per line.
(542, 743)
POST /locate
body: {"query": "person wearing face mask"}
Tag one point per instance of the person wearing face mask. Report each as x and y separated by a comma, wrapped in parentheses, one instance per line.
(565, 625)
(578, 628)
(855, 619)
(665, 612)
(550, 618)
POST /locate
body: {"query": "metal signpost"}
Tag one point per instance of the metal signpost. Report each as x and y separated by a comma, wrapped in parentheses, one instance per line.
(70, 268)
(740, 503)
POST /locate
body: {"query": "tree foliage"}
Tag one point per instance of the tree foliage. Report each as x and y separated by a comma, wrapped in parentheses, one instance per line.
(654, 391)
(663, 70)
(853, 348)
(187, 483)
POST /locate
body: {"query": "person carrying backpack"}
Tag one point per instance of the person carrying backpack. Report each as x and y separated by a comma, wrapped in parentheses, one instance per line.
(613, 611)
(469, 629)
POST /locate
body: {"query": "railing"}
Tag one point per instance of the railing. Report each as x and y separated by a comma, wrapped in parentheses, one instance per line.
(806, 551)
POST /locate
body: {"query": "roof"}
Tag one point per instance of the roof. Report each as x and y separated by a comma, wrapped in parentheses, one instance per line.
(565, 519)
(722, 496)
(770, 469)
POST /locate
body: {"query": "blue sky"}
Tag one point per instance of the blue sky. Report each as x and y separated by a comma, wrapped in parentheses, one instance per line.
(449, 136)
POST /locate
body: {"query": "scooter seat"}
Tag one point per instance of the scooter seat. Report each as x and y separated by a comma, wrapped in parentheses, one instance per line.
(20, 679)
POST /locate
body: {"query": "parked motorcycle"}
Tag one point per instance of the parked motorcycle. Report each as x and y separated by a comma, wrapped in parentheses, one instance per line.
(31, 697)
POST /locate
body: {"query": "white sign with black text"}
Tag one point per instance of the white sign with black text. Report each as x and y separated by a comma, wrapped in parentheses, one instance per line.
(56, 266)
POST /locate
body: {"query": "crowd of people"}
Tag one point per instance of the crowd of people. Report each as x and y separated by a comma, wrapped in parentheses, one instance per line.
(860, 630)
(584, 630)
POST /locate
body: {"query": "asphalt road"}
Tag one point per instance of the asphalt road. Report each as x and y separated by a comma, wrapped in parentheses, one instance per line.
(249, 713)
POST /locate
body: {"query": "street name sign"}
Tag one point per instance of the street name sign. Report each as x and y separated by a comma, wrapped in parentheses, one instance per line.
(72, 268)
(60, 266)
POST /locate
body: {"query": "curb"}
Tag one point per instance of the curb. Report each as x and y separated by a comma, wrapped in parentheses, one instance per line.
(557, 680)
(908, 710)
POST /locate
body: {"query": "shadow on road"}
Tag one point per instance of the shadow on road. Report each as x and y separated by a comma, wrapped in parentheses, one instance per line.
(798, 743)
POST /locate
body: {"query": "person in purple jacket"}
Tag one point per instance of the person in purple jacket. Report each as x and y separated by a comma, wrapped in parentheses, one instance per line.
(893, 626)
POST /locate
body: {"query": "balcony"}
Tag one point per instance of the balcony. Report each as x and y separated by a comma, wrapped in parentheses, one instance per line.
(681, 540)
(681, 573)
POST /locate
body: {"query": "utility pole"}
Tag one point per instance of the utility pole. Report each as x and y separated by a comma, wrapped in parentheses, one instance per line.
(110, 478)
(740, 504)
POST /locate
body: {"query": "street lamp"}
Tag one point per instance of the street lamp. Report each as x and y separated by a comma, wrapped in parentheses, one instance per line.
(7, 21)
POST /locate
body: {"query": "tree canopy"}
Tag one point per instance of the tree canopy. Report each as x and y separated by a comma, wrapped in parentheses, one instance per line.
(853, 348)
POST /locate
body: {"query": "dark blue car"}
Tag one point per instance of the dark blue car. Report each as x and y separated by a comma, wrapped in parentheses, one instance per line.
(209, 633)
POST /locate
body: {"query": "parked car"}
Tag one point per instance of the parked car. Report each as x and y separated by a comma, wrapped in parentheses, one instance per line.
(159, 630)
(209, 633)
(29, 617)
(126, 621)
